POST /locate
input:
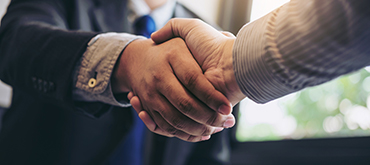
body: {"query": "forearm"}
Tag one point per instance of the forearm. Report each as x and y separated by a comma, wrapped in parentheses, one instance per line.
(299, 45)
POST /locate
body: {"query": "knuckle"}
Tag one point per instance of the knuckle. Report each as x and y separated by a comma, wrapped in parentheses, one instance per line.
(168, 87)
(171, 130)
(173, 24)
(154, 107)
(185, 106)
(156, 110)
(197, 21)
(157, 77)
(212, 120)
(208, 97)
(173, 20)
(172, 54)
(149, 94)
(178, 123)
(191, 80)
(193, 138)
(207, 131)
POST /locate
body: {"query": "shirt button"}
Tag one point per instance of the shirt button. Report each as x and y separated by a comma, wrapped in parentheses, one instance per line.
(92, 83)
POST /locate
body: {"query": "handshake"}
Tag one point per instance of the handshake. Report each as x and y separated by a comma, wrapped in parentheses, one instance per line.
(181, 82)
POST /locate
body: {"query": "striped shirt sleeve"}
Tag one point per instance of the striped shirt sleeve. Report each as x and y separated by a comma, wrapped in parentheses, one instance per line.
(301, 44)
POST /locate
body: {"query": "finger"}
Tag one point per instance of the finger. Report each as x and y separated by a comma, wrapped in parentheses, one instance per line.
(150, 124)
(145, 116)
(191, 76)
(130, 95)
(227, 34)
(176, 27)
(163, 128)
(148, 121)
(188, 105)
(136, 104)
(179, 121)
(173, 131)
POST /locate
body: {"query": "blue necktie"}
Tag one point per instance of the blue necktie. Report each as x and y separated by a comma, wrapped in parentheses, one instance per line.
(131, 151)
(144, 26)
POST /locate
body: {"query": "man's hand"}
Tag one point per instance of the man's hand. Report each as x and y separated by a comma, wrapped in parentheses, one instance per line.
(177, 98)
(212, 50)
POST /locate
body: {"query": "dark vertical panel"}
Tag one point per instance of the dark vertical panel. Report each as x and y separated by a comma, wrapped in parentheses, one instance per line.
(234, 14)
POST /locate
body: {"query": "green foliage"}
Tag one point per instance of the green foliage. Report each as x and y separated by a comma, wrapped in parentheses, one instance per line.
(327, 110)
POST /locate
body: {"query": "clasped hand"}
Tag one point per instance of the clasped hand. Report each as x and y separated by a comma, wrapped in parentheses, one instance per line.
(177, 92)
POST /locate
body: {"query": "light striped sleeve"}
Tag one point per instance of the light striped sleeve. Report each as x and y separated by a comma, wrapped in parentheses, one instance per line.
(301, 44)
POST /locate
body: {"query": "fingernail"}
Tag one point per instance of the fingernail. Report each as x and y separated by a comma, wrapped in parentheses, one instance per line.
(206, 137)
(218, 129)
(224, 109)
(229, 123)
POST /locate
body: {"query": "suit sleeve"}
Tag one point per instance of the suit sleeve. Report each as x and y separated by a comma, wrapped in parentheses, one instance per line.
(301, 44)
(38, 51)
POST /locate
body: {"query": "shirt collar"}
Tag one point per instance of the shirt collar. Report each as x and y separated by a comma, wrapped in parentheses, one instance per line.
(161, 15)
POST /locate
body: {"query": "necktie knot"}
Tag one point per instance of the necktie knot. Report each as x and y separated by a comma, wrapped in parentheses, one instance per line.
(144, 26)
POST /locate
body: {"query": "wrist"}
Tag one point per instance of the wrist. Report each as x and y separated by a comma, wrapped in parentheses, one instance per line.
(120, 76)
(234, 92)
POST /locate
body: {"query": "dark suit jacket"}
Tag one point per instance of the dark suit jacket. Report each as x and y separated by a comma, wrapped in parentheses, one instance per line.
(40, 43)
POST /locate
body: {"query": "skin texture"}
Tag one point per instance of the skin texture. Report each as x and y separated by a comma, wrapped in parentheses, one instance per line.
(177, 98)
(213, 52)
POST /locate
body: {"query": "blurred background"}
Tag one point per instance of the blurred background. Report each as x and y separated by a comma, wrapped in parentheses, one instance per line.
(339, 109)
(5, 90)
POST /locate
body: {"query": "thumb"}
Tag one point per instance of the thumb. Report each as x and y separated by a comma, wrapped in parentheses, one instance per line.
(228, 34)
(176, 27)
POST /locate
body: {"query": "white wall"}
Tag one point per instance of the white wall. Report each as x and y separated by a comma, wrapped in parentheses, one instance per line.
(206, 9)
(5, 91)
(3, 5)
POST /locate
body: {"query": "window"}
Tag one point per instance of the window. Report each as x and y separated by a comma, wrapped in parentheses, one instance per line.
(339, 108)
